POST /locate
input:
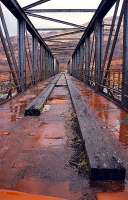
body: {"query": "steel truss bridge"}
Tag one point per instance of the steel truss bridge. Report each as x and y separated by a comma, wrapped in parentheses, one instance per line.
(96, 53)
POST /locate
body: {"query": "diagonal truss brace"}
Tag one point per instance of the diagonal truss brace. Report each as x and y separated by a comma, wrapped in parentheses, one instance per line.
(54, 20)
(35, 4)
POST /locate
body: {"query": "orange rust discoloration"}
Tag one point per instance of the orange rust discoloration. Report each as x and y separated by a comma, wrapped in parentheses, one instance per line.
(113, 196)
(14, 195)
(111, 115)
(36, 186)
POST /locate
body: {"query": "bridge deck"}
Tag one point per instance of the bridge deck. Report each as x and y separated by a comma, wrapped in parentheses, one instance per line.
(37, 152)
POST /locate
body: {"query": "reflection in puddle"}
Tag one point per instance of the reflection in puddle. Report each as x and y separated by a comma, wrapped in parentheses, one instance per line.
(2, 133)
(58, 99)
(113, 117)
(53, 142)
(52, 134)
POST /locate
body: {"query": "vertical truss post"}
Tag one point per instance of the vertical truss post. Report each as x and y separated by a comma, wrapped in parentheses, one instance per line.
(22, 54)
(8, 41)
(34, 59)
(79, 55)
(44, 61)
(46, 67)
(125, 58)
(72, 66)
(75, 68)
(41, 63)
(78, 63)
(81, 62)
(8, 57)
(53, 72)
(98, 53)
(87, 59)
(84, 62)
(38, 64)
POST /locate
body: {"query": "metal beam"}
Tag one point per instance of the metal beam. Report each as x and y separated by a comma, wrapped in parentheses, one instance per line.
(10, 46)
(22, 55)
(102, 10)
(98, 53)
(114, 43)
(63, 34)
(18, 12)
(59, 39)
(60, 10)
(110, 35)
(35, 4)
(87, 59)
(9, 60)
(58, 29)
(125, 58)
(54, 20)
(35, 59)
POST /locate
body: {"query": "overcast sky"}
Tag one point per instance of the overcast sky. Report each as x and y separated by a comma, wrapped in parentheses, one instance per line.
(78, 18)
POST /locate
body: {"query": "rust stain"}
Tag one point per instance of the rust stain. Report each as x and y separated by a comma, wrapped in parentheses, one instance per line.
(114, 118)
(59, 101)
(113, 196)
(36, 186)
(14, 195)
(51, 134)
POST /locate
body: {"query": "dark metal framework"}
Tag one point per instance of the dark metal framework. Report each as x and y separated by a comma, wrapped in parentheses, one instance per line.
(54, 20)
(35, 4)
(100, 59)
(60, 10)
(35, 57)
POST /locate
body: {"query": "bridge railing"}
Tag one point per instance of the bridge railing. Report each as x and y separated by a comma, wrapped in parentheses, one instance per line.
(101, 56)
(29, 60)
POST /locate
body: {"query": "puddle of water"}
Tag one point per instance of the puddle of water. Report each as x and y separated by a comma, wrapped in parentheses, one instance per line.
(52, 134)
(113, 117)
(6, 133)
(59, 101)
(53, 142)
(61, 97)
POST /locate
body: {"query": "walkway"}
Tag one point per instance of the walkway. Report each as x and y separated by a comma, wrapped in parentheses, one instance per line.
(36, 152)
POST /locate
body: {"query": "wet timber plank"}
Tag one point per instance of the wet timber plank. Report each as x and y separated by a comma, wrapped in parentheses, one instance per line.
(35, 108)
(102, 150)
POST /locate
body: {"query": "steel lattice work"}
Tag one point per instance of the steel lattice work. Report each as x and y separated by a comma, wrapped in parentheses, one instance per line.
(101, 56)
(35, 61)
